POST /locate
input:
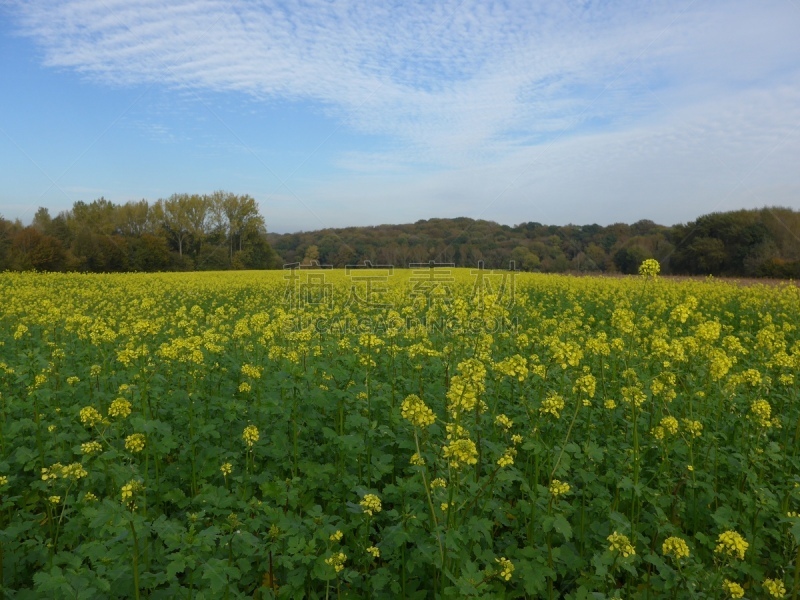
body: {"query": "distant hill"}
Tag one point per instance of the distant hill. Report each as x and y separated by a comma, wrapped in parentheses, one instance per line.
(747, 243)
(225, 231)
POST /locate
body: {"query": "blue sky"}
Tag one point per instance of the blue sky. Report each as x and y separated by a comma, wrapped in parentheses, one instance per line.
(336, 113)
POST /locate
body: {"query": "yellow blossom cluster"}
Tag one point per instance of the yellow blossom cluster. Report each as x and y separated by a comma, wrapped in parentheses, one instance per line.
(128, 492)
(503, 421)
(135, 442)
(586, 384)
(90, 416)
(506, 568)
(336, 560)
(461, 452)
(250, 435)
(466, 387)
(775, 588)
(92, 447)
(514, 366)
(507, 458)
(252, 371)
(731, 544)
(649, 268)
(72, 471)
(732, 589)
(417, 412)
(620, 543)
(438, 483)
(119, 408)
(761, 412)
(695, 428)
(552, 405)
(559, 488)
(670, 425)
(370, 504)
(675, 547)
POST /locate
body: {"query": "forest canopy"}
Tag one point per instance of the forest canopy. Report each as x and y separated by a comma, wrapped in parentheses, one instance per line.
(222, 231)
(181, 233)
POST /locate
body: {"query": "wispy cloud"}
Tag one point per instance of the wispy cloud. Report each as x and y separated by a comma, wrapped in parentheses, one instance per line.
(507, 88)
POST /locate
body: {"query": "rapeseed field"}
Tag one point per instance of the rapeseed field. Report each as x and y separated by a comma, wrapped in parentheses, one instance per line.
(382, 433)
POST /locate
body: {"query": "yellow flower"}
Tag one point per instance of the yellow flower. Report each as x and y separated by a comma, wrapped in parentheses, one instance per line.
(610, 404)
(461, 452)
(135, 442)
(760, 412)
(250, 435)
(89, 497)
(73, 471)
(507, 459)
(3, 480)
(503, 421)
(374, 551)
(90, 416)
(513, 366)
(417, 412)
(731, 544)
(506, 567)
(444, 506)
(620, 543)
(552, 405)
(91, 447)
(438, 483)
(649, 268)
(119, 408)
(586, 384)
(244, 387)
(670, 425)
(54, 499)
(127, 492)
(52, 472)
(417, 460)
(336, 537)
(559, 488)
(675, 547)
(516, 439)
(336, 561)
(371, 504)
(226, 469)
(733, 589)
(775, 588)
(252, 371)
(73, 380)
(695, 428)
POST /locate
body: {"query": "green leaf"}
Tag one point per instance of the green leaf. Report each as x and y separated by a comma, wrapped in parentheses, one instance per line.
(562, 526)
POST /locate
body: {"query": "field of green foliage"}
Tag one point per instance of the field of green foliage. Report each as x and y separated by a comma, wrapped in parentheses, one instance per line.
(441, 433)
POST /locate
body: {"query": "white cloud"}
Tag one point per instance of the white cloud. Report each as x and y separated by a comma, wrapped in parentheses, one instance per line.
(600, 99)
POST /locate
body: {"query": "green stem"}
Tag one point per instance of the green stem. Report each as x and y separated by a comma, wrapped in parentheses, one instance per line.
(135, 560)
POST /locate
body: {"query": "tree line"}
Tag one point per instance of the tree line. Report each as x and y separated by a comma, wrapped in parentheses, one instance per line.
(226, 231)
(181, 233)
(745, 243)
